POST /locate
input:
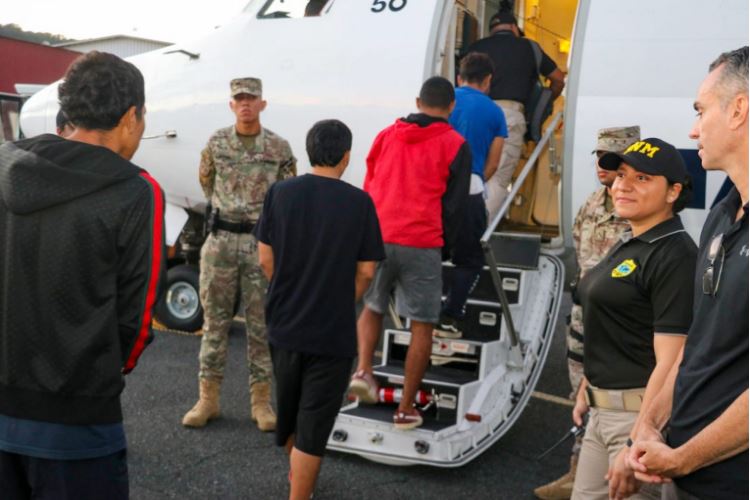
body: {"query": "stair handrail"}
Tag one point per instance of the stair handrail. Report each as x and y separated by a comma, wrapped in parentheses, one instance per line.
(489, 256)
(522, 177)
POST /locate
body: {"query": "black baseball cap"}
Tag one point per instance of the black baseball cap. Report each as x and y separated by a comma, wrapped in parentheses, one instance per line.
(650, 156)
(503, 17)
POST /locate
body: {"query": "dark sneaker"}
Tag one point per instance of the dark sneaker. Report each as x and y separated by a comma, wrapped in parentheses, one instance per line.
(447, 329)
(364, 387)
(404, 420)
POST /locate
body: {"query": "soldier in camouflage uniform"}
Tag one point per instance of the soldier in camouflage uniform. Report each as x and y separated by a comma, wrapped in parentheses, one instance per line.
(595, 231)
(237, 167)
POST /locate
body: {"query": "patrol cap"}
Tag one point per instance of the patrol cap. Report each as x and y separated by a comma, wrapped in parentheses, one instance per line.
(650, 156)
(616, 139)
(252, 86)
(503, 17)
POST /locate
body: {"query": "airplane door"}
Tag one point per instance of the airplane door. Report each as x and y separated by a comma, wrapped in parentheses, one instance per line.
(461, 30)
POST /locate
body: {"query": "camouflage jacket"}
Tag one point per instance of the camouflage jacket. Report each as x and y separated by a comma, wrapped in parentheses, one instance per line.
(235, 179)
(595, 231)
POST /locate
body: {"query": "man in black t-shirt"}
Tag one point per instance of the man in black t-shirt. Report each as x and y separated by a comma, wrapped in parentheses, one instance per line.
(518, 64)
(705, 398)
(318, 243)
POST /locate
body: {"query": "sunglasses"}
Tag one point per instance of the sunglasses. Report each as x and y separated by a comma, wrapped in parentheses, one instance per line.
(712, 274)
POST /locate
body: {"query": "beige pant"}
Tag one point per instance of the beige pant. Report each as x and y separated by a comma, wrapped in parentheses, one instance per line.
(670, 491)
(497, 185)
(606, 434)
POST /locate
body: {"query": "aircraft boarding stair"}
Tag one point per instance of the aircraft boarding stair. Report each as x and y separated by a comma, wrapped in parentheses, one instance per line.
(478, 384)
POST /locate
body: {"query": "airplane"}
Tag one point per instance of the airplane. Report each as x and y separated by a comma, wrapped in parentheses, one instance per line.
(628, 63)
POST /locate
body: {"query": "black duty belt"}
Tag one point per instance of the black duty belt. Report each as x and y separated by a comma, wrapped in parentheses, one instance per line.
(245, 227)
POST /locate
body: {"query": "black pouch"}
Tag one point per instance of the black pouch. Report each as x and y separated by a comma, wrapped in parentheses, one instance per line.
(210, 220)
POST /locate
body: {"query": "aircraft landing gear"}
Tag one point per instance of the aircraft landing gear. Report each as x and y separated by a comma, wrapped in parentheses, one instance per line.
(180, 306)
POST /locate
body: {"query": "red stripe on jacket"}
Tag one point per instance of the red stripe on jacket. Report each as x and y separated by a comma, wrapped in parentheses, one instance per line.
(153, 281)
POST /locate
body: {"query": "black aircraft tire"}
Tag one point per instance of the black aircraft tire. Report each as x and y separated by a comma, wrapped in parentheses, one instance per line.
(179, 307)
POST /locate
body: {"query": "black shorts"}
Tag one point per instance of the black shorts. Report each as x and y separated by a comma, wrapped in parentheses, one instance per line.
(309, 391)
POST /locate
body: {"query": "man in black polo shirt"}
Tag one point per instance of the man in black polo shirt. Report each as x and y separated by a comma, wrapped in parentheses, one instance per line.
(518, 63)
(318, 240)
(707, 394)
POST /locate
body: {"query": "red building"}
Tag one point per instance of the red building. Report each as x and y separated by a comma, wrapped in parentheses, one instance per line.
(26, 62)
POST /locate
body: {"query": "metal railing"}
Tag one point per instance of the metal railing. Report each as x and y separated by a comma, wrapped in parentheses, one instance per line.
(489, 256)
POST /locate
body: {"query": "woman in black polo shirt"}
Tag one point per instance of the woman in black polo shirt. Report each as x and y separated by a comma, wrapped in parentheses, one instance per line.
(637, 307)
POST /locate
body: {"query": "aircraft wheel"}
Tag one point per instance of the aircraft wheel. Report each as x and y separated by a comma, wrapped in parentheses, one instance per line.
(180, 306)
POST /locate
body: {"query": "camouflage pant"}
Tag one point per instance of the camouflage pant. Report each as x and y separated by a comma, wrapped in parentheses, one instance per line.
(575, 367)
(575, 349)
(229, 261)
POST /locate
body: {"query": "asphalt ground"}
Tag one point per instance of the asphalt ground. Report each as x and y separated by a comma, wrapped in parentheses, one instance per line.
(232, 459)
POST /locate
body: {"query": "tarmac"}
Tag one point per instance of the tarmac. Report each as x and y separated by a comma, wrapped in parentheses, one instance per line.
(232, 459)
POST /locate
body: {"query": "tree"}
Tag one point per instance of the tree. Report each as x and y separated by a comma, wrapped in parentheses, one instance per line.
(16, 32)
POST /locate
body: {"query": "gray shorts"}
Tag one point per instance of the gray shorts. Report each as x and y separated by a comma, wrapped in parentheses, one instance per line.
(416, 275)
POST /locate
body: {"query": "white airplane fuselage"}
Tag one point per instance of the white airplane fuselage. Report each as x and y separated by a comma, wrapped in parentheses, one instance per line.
(352, 64)
(363, 63)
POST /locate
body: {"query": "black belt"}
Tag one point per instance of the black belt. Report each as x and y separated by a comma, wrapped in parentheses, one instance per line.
(235, 227)
(576, 335)
(575, 356)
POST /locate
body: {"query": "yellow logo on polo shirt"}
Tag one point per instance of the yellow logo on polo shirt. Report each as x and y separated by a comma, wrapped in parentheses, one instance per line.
(624, 269)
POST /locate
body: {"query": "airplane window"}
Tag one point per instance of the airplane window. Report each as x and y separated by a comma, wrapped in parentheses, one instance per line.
(9, 110)
(286, 9)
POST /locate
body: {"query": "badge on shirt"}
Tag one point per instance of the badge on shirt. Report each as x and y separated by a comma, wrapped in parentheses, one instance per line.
(625, 268)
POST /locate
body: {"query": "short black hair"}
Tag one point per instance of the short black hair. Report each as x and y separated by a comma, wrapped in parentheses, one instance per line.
(475, 66)
(685, 196)
(61, 120)
(503, 16)
(327, 142)
(437, 92)
(98, 89)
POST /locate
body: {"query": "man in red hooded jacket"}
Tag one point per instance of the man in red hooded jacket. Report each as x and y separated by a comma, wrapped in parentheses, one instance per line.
(418, 173)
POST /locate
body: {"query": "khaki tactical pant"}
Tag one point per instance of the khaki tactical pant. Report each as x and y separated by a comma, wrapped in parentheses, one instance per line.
(497, 185)
(670, 491)
(606, 434)
(229, 261)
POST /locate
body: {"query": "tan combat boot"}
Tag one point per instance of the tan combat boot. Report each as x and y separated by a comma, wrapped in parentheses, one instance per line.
(260, 409)
(561, 488)
(207, 407)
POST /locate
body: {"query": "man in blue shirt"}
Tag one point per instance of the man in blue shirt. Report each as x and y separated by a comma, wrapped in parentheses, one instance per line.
(482, 124)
